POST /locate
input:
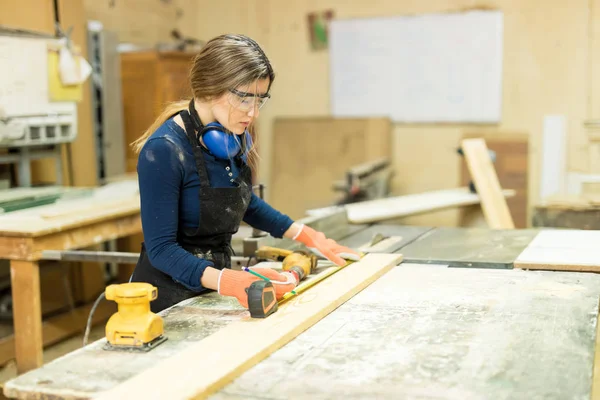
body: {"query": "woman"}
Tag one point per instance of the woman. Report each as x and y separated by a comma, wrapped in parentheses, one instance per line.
(195, 182)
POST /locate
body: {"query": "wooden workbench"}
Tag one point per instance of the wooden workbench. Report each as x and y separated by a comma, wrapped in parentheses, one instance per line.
(468, 333)
(110, 212)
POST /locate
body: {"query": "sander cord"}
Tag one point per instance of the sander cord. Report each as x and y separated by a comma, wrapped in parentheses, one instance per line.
(89, 321)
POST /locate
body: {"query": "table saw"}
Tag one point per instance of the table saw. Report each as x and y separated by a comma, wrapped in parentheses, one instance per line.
(455, 319)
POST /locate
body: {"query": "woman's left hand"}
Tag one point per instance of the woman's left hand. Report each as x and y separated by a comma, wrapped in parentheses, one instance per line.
(324, 247)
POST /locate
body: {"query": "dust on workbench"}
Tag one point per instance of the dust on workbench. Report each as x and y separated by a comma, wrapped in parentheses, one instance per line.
(90, 370)
(425, 332)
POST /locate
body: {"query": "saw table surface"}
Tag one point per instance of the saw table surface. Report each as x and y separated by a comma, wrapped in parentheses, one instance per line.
(465, 334)
(469, 247)
(404, 233)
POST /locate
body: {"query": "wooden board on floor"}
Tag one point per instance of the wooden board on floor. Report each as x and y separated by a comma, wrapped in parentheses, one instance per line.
(562, 250)
(486, 182)
(429, 332)
(373, 211)
(91, 370)
(469, 247)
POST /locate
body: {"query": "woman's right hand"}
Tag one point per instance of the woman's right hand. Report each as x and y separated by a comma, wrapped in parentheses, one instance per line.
(234, 283)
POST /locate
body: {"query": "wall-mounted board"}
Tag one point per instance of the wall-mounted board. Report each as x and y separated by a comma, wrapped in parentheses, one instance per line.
(428, 68)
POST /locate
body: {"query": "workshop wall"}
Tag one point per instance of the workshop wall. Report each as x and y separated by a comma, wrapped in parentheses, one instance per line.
(144, 22)
(547, 70)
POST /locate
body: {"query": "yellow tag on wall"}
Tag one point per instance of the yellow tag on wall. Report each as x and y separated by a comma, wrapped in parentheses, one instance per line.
(58, 91)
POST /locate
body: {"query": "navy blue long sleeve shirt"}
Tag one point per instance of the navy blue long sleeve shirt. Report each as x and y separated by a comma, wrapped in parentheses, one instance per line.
(169, 193)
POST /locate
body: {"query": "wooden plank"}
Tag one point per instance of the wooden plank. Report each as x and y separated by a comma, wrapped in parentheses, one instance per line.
(27, 310)
(562, 250)
(402, 206)
(110, 201)
(17, 224)
(512, 167)
(61, 327)
(228, 354)
(486, 182)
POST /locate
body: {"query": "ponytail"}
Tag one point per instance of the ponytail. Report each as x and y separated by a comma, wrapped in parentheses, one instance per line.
(169, 111)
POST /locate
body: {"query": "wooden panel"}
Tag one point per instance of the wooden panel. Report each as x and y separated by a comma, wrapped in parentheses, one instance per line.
(174, 81)
(309, 154)
(512, 168)
(138, 85)
(562, 250)
(150, 80)
(22, 17)
(228, 356)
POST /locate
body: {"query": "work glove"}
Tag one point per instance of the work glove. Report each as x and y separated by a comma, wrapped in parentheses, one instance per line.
(323, 247)
(234, 283)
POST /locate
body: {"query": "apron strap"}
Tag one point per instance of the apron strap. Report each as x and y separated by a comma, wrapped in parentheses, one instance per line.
(197, 150)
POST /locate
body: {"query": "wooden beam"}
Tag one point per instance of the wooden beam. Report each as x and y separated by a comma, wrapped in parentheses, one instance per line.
(234, 349)
(493, 203)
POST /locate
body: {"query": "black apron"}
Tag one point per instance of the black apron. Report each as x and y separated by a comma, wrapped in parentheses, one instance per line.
(221, 212)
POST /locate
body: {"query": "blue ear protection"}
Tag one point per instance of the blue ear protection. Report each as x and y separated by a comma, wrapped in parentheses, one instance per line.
(223, 144)
(219, 141)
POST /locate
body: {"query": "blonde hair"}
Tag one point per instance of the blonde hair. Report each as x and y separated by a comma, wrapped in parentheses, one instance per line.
(225, 62)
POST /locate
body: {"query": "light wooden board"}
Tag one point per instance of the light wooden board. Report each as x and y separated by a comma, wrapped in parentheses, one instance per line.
(562, 250)
(110, 201)
(407, 205)
(442, 333)
(486, 182)
(234, 349)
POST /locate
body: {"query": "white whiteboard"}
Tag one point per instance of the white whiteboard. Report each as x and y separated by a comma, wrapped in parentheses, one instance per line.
(426, 68)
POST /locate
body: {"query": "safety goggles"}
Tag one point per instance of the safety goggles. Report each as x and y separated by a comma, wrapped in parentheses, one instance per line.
(247, 101)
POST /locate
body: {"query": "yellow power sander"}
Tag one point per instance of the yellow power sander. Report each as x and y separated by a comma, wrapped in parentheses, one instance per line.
(133, 327)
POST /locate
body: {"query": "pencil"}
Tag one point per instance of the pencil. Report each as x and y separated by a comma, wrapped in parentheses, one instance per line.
(257, 274)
